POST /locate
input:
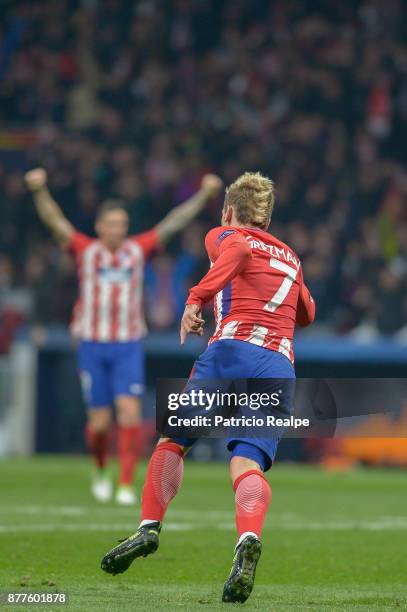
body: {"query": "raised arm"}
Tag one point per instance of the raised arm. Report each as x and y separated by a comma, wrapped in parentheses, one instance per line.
(186, 212)
(48, 210)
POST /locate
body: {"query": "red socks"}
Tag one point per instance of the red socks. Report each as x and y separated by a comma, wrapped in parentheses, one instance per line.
(98, 444)
(129, 441)
(128, 446)
(164, 477)
(252, 498)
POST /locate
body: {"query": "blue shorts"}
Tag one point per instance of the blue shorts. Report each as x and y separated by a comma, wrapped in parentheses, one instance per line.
(110, 369)
(238, 360)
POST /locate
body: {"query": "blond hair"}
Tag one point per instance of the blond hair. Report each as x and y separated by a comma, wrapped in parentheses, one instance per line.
(252, 197)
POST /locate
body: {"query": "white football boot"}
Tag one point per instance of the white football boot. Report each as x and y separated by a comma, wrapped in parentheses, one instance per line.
(102, 487)
(125, 495)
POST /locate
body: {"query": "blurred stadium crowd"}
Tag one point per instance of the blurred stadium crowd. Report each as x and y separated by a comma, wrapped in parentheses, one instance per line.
(138, 99)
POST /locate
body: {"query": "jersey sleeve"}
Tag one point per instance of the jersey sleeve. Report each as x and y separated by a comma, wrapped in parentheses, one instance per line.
(229, 253)
(78, 242)
(215, 240)
(305, 305)
(148, 241)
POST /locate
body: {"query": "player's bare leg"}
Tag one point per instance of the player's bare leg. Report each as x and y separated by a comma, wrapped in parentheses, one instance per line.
(98, 439)
(252, 498)
(129, 444)
(163, 480)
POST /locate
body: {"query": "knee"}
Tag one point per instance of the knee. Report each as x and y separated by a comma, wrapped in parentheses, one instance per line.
(128, 411)
(100, 420)
(240, 465)
(247, 456)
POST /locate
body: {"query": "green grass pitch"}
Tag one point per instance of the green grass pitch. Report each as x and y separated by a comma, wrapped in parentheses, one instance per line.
(332, 541)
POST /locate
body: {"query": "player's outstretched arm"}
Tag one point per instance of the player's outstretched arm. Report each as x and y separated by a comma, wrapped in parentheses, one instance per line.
(48, 210)
(186, 212)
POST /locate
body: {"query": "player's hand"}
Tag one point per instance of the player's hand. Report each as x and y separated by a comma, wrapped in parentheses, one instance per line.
(191, 322)
(212, 185)
(36, 179)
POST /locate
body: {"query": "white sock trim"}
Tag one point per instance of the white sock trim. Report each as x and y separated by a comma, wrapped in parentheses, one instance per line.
(148, 522)
(244, 535)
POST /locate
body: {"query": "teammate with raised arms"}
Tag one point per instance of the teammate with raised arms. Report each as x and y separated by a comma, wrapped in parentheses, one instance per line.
(108, 319)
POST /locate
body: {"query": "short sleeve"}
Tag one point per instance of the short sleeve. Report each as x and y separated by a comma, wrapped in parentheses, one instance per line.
(78, 242)
(230, 253)
(148, 241)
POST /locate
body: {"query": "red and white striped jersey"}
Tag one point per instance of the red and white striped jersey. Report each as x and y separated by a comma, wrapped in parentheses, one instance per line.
(110, 303)
(258, 288)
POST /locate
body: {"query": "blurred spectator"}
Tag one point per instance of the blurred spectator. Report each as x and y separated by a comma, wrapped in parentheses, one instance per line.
(139, 99)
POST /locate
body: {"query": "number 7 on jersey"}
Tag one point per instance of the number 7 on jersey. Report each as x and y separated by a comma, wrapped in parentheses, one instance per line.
(282, 292)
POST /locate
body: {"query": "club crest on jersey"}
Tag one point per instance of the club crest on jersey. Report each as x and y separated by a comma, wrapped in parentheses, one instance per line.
(124, 259)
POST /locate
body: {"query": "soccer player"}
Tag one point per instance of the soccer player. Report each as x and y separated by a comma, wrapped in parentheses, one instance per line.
(260, 296)
(108, 319)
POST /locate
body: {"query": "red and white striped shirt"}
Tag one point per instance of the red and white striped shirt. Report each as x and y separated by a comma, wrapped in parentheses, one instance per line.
(258, 289)
(109, 307)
